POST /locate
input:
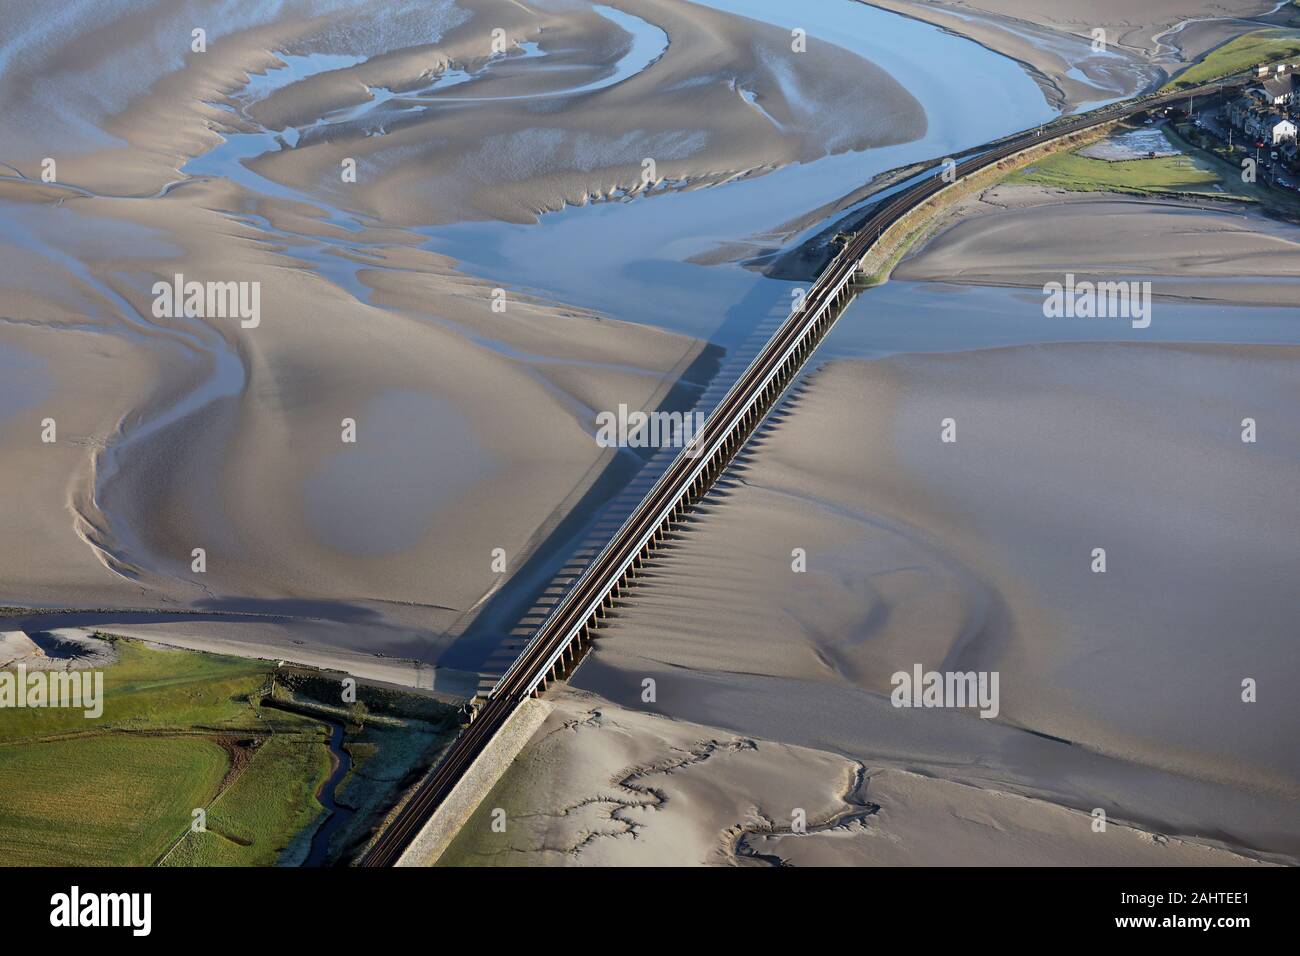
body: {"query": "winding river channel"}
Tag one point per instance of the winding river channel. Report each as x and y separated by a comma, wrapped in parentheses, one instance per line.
(631, 259)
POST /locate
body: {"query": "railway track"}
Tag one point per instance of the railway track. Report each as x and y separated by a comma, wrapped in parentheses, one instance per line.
(565, 632)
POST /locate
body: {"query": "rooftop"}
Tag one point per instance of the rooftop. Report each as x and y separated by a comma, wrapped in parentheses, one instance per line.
(1284, 85)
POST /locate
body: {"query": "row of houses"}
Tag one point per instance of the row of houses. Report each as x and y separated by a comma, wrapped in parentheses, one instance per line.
(1267, 111)
(1280, 84)
(1260, 121)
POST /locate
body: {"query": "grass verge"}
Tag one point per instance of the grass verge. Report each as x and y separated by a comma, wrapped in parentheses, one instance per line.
(1163, 174)
(921, 221)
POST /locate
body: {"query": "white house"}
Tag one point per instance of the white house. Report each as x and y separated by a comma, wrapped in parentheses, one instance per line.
(1284, 131)
(1281, 90)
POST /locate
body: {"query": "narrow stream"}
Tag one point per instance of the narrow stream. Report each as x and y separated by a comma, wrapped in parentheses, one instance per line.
(339, 815)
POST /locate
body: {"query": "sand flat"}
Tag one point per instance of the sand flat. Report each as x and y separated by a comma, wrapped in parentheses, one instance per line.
(258, 474)
(601, 784)
(976, 557)
(1137, 27)
(720, 95)
(1021, 235)
(474, 425)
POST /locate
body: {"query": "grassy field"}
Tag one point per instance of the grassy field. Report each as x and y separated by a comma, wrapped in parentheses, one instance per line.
(110, 799)
(1165, 174)
(183, 730)
(156, 689)
(1243, 53)
(255, 820)
(122, 789)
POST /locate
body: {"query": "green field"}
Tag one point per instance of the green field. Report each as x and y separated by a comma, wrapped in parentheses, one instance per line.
(183, 730)
(1165, 174)
(122, 789)
(113, 799)
(1243, 53)
(156, 689)
(256, 819)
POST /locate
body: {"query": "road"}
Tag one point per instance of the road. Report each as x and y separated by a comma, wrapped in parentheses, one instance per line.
(565, 631)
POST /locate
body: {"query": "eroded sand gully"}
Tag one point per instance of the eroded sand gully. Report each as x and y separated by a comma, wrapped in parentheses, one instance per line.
(474, 425)
(605, 785)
